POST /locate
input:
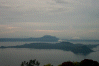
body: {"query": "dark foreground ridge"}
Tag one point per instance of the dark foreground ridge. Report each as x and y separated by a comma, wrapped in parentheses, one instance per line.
(66, 46)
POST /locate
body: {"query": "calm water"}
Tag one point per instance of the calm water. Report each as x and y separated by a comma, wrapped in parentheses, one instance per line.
(14, 56)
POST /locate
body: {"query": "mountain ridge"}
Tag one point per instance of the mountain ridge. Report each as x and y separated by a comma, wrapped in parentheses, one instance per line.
(45, 38)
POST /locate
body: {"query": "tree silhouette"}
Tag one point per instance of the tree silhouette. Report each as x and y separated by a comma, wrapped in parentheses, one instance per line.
(85, 62)
(48, 65)
(88, 62)
(69, 63)
(30, 63)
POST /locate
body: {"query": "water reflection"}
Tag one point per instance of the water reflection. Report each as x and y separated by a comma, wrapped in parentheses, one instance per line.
(14, 56)
(53, 56)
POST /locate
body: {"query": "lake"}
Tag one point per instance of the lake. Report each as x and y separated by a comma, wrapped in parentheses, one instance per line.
(14, 56)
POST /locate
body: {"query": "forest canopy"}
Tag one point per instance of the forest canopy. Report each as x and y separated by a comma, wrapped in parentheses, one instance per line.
(85, 62)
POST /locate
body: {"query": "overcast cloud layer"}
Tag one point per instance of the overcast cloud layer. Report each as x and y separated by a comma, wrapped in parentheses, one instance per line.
(70, 19)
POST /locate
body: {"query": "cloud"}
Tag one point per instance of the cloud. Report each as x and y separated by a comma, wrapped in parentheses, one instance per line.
(72, 18)
(76, 38)
(26, 5)
(62, 1)
(48, 31)
(45, 11)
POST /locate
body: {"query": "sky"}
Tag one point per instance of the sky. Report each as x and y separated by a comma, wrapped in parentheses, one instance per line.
(65, 19)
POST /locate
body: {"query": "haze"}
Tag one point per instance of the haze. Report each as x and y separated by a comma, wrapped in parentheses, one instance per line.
(65, 19)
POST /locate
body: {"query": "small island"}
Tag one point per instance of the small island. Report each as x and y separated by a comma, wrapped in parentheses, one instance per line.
(65, 46)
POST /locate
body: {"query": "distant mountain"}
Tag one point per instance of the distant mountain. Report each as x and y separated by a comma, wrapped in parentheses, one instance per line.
(46, 38)
(87, 40)
(66, 46)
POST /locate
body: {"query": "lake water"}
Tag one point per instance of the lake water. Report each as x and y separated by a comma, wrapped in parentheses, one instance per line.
(14, 56)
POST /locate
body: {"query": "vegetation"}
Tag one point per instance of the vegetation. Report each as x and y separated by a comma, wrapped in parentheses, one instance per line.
(48, 65)
(30, 63)
(85, 62)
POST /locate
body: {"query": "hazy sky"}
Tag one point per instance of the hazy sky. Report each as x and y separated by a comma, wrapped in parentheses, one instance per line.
(70, 19)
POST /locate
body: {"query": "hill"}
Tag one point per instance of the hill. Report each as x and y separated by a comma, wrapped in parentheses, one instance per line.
(46, 38)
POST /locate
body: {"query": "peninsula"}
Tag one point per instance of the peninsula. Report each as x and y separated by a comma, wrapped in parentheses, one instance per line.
(65, 46)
